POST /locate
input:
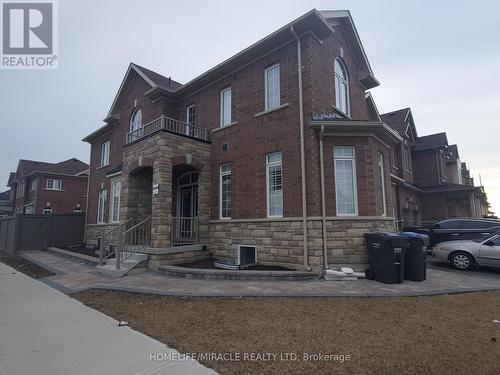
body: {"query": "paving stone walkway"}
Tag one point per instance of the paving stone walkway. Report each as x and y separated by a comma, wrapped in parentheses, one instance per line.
(72, 277)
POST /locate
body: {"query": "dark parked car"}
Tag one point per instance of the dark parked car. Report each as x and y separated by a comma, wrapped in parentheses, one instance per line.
(459, 229)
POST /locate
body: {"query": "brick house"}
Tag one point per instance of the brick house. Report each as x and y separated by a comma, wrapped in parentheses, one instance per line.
(255, 152)
(429, 181)
(38, 187)
(5, 203)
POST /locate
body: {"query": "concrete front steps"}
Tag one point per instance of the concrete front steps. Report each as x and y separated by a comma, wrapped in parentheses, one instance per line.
(216, 274)
(125, 267)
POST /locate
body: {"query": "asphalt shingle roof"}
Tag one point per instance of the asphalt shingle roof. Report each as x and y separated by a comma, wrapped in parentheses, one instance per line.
(396, 120)
(431, 141)
(71, 167)
(160, 80)
(5, 196)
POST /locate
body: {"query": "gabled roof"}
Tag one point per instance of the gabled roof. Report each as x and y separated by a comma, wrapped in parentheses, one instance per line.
(153, 79)
(453, 153)
(344, 18)
(158, 79)
(400, 120)
(71, 167)
(5, 196)
(12, 177)
(431, 141)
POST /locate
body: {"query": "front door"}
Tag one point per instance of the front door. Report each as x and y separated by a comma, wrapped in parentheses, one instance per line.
(187, 213)
(189, 201)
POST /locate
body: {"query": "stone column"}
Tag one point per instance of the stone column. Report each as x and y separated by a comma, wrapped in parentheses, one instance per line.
(204, 183)
(161, 204)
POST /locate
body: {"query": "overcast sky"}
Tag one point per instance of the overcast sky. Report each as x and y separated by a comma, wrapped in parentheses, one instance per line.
(441, 58)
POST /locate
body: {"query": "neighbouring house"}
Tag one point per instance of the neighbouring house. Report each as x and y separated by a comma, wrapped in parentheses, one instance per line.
(39, 187)
(429, 181)
(278, 151)
(5, 203)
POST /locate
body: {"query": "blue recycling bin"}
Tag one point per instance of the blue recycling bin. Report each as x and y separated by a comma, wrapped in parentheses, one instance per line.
(415, 263)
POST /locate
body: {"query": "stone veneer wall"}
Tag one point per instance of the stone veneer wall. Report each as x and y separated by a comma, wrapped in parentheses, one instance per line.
(280, 241)
(92, 231)
(161, 152)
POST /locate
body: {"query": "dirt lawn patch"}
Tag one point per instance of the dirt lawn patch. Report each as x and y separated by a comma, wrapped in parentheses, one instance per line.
(421, 335)
(24, 266)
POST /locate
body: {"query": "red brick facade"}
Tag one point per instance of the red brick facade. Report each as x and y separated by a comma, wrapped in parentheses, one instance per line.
(32, 194)
(252, 135)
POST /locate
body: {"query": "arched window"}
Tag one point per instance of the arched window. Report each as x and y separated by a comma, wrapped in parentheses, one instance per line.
(135, 125)
(341, 87)
(136, 120)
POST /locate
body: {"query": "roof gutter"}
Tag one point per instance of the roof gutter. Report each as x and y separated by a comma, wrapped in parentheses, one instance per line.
(302, 149)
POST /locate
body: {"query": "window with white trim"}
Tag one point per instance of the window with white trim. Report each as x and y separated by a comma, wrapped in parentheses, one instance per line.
(407, 157)
(272, 87)
(225, 107)
(341, 87)
(225, 191)
(345, 181)
(191, 114)
(105, 153)
(54, 184)
(190, 119)
(101, 206)
(274, 177)
(135, 129)
(20, 190)
(34, 184)
(116, 191)
(381, 184)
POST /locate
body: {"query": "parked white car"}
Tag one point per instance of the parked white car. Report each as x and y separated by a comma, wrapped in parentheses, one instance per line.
(466, 255)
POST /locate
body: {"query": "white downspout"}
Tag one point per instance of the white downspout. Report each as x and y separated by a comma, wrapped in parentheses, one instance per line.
(323, 207)
(302, 150)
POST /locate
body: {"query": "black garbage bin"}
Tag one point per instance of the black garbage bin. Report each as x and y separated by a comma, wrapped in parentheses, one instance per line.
(415, 263)
(386, 253)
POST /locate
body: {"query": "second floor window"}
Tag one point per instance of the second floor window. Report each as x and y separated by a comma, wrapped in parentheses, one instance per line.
(341, 87)
(20, 190)
(191, 115)
(105, 153)
(225, 107)
(54, 184)
(33, 184)
(190, 119)
(272, 83)
(101, 206)
(225, 191)
(407, 158)
(274, 185)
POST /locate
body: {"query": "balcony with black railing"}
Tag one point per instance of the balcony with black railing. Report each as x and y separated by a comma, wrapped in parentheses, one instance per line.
(170, 125)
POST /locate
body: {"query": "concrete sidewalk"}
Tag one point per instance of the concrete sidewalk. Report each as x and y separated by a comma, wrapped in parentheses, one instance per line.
(43, 331)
